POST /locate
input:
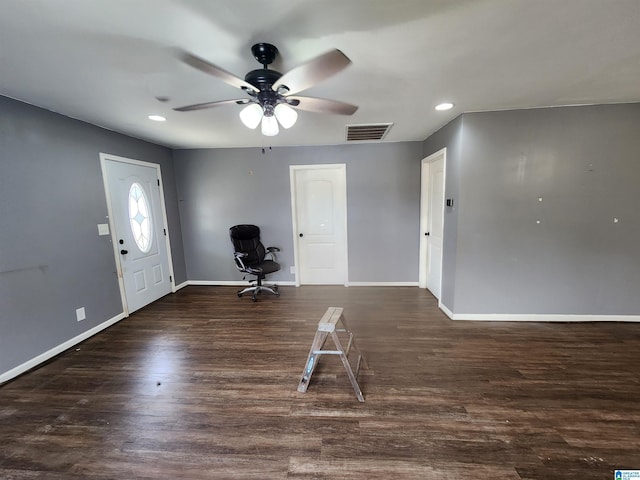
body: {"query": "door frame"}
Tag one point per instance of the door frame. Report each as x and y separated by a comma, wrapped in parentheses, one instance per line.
(104, 157)
(294, 217)
(424, 213)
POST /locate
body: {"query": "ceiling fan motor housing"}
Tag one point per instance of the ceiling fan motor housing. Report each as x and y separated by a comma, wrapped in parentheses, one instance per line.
(262, 78)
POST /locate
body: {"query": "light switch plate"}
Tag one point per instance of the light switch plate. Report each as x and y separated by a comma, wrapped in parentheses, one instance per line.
(103, 229)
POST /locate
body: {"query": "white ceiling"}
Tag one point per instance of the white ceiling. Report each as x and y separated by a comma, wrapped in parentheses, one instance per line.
(107, 61)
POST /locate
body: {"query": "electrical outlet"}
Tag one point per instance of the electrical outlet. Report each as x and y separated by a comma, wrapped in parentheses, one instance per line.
(80, 314)
(292, 270)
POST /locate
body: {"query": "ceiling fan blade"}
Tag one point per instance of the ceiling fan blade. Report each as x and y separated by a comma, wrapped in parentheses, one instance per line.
(202, 106)
(314, 71)
(320, 105)
(206, 67)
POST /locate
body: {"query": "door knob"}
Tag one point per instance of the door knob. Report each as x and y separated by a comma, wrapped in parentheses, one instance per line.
(301, 235)
(124, 252)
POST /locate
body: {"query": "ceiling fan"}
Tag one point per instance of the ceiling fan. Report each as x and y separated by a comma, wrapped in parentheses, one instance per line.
(270, 93)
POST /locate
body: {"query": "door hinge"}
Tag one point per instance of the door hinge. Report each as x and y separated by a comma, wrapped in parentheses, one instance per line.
(165, 231)
(158, 182)
(170, 278)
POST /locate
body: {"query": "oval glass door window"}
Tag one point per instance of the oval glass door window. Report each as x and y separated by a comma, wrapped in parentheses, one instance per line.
(140, 217)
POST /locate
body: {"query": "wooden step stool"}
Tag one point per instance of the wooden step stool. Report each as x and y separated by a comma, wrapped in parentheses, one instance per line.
(327, 327)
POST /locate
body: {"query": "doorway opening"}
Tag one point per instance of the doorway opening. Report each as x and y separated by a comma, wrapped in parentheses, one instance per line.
(432, 187)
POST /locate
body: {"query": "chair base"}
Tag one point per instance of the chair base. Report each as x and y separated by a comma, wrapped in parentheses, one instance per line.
(257, 288)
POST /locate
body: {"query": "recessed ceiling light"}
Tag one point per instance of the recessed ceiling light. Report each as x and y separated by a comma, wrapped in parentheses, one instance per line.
(444, 106)
(156, 118)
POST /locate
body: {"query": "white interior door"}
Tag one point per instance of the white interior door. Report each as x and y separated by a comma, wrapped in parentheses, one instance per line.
(138, 220)
(432, 222)
(319, 205)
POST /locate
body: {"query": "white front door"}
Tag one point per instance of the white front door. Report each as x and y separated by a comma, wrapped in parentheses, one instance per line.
(432, 222)
(138, 223)
(319, 206)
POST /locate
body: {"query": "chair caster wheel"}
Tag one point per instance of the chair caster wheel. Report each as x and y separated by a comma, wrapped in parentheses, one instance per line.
(239, 295)
(277, 294)
(254, 299)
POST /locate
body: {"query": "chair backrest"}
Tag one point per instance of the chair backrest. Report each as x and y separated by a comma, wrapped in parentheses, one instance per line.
(246, 239)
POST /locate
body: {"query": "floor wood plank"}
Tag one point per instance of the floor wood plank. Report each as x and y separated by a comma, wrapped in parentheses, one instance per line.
(202, 385)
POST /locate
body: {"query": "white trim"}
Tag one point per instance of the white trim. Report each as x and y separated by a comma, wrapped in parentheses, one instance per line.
(43, 357)
(294, 222)
(424, 219)
(294, 216)
(446, 311)
(114, 241)
(235, 283)
(172, 277)
(181, 286)
(501, 317)
(240, 283)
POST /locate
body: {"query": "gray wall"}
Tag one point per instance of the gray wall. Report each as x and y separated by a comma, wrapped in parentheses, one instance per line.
(52, 260)
(223, 187)
(584, 162)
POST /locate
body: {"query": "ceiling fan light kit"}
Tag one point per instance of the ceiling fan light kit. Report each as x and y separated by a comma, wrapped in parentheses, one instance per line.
(251, 115)
(270, 126)
(269, 102)
(286, 115)
(254, 113)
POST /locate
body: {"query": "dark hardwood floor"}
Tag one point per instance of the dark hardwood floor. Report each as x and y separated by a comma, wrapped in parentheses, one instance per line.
(202, 385)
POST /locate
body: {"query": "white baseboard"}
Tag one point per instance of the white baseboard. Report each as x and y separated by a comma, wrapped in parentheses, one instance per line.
(43, 357)
(181, 286)
(499, 317)
(536, 317)
(382, 284)
(234, 283)
(446, 311)
(240, 283)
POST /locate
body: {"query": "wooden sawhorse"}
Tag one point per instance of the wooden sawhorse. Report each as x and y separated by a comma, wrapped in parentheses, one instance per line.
(327, 327)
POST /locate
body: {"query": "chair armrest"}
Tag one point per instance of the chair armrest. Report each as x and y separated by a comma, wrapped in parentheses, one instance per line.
(272, 251)
(240, 265)
(237, 257)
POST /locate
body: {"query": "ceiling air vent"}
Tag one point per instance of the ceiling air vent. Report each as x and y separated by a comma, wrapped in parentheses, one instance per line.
(372, 131)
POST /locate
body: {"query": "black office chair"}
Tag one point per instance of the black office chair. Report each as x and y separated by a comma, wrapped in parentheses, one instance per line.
(249, 255)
